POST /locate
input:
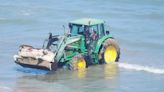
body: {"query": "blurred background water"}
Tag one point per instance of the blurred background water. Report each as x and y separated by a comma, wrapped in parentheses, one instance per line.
(137, 25)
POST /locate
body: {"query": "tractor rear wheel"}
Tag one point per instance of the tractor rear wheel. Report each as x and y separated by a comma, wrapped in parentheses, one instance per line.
(109, 51)
(77, 63)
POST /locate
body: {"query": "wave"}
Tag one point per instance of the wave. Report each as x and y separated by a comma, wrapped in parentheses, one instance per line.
(5, 88)
(141, 68)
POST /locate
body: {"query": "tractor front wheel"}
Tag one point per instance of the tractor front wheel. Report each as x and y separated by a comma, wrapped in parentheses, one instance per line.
(109, 51)
(77, 63)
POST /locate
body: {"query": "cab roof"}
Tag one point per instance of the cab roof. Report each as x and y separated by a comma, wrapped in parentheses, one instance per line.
(87, 21)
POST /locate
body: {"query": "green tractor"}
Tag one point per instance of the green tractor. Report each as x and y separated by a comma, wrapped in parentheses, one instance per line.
(86, 43)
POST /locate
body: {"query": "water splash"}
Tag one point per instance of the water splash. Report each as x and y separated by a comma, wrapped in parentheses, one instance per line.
(31, 70)
(4, 88)
(141, 68)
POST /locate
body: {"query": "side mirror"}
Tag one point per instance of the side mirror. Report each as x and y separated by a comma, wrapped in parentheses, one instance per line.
(107, 32)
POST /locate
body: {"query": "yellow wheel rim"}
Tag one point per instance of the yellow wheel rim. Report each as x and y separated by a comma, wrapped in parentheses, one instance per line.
(81, 64)
(110, 54)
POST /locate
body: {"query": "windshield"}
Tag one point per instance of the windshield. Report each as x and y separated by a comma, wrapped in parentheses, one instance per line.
(81, 29)
(76, 29)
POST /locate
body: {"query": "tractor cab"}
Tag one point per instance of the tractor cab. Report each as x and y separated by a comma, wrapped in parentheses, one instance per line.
(90, 29)
(93, 28)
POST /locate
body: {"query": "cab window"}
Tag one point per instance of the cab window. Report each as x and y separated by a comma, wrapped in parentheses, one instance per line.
(76, 29)
(102, 31)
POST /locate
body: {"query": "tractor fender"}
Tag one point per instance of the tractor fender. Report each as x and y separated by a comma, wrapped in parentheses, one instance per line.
(100, 41)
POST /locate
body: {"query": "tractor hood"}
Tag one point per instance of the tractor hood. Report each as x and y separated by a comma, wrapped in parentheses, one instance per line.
(62, 43)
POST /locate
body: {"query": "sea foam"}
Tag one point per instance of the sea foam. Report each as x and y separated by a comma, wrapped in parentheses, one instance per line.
(141, 68)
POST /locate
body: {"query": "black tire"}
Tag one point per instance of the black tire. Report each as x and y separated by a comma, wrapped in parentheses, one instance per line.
(109, 43)
(75, 61)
